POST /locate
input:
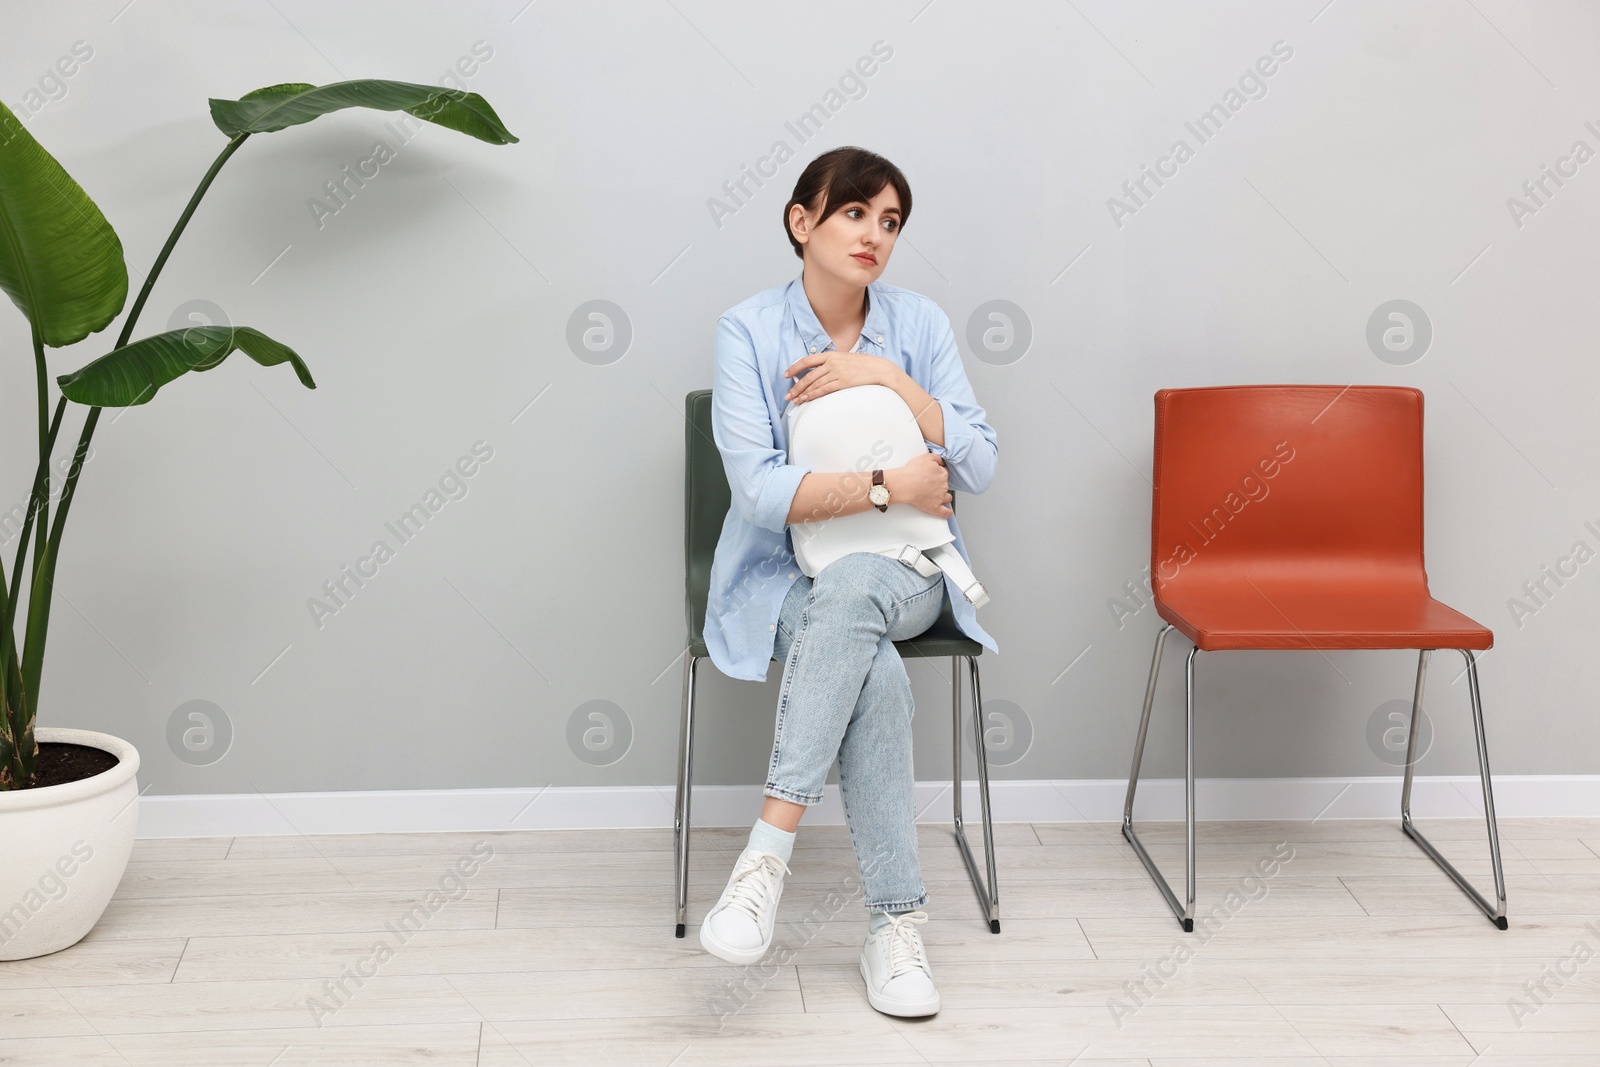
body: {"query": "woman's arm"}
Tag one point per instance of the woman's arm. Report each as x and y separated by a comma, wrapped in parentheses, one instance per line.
(929, 413)
(954, 425)
(760, 478)
(829, 495)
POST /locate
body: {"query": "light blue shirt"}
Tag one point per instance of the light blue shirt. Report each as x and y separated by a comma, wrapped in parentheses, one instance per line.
(757, 341)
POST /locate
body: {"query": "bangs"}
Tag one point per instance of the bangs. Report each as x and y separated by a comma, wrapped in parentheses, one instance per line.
(862, 177)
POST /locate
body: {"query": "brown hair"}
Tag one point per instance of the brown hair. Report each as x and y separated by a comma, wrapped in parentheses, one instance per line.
(843, 176)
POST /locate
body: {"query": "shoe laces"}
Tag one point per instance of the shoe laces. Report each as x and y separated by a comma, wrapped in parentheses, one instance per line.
(754, 881)
(905, 943)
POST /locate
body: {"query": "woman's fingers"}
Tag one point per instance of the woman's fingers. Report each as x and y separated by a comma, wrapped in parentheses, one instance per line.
(807, 387)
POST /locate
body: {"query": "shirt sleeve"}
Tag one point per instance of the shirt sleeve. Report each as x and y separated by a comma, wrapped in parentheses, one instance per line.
(760, 478)
(970, 449)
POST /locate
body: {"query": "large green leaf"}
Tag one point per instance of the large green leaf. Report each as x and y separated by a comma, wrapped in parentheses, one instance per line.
(278, 107)
(132, 374)
(60, 260)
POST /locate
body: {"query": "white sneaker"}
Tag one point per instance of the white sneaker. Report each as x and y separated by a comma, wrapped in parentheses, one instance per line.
(739, 928)
(895, 967)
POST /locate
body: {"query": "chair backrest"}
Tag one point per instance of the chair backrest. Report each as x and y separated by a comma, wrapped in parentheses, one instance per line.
(1318, 480)
(706, 499)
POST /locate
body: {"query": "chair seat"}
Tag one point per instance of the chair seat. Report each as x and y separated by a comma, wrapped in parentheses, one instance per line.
(943, 638)
(1277, 612)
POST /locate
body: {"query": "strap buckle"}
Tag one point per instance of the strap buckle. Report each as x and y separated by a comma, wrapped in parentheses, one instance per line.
(916, 559)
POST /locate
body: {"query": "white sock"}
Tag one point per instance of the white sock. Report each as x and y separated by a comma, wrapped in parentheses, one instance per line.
(877, 920)
(764, 837)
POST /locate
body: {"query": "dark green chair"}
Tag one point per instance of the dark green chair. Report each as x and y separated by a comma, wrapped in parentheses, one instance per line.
(706, 503)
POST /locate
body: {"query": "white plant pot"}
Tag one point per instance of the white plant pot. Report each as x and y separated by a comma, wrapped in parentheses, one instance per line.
(63, 850)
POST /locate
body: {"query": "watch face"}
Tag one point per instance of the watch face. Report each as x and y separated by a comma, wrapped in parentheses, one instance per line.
(879, 494)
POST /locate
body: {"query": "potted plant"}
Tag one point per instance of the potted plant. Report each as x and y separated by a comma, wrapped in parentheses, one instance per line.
(67, 797)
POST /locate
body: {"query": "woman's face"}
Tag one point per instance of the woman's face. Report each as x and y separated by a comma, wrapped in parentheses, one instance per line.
(853, 244)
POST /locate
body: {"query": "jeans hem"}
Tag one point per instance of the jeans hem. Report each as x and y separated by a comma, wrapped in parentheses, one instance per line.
(793, 798)
(902, 905)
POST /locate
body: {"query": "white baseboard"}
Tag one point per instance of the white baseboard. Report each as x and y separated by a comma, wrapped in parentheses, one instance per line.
(1098, 800)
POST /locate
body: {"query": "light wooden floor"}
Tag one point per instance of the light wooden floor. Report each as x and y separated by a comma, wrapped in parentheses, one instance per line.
(1358, 951)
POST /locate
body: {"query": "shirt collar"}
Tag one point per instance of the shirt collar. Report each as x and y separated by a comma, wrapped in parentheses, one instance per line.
(811, 331)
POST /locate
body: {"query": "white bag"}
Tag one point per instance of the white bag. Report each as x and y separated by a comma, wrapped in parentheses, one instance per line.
(860, 429)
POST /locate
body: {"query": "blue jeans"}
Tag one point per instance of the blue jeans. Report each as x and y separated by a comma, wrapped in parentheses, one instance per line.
(845, 693)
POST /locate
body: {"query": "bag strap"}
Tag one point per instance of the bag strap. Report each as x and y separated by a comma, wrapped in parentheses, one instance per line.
(946, 558)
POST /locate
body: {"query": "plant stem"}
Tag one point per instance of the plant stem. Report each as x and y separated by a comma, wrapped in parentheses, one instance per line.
(43, 374)
(46, 555)
(172, 239)
(15, 722)
(20, 751)
(8, 637)
(11, 770)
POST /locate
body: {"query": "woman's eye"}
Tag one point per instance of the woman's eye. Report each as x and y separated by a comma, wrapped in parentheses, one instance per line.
(893, 224)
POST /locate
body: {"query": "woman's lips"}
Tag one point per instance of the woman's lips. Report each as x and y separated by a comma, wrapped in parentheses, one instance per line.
(868, 260)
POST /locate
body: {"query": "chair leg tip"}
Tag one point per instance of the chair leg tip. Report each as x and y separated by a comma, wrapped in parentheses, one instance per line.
(1188, 926)
(680, 930)
(994, 926)
(1502, 924)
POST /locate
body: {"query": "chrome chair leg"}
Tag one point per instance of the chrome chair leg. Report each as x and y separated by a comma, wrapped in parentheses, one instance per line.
(1497, 912)
(680, 815)
(988, 893)
(988, 897)
(1183, 912)
(983, 796)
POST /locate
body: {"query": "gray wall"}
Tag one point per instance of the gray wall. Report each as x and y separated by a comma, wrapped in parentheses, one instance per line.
(434, 308)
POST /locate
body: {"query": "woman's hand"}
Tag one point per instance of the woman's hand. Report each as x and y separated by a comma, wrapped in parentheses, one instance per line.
(832, 371)
(924, 483)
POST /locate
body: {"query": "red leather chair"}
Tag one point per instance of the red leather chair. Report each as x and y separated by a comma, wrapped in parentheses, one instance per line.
(1290, 517)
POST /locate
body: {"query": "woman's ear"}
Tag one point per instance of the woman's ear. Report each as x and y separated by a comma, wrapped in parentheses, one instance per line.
(798, 223)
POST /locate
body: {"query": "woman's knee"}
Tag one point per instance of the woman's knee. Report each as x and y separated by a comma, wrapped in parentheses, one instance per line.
(857, 577)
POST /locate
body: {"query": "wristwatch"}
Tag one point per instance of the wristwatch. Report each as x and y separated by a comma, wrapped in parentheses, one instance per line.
(879, 493)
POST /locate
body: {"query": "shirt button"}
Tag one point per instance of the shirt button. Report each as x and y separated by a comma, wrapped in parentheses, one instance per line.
(791, 574)
(813, 348)
(772, 627)
(880, 338)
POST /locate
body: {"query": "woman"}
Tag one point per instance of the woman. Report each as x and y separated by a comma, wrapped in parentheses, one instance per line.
(845, 691)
